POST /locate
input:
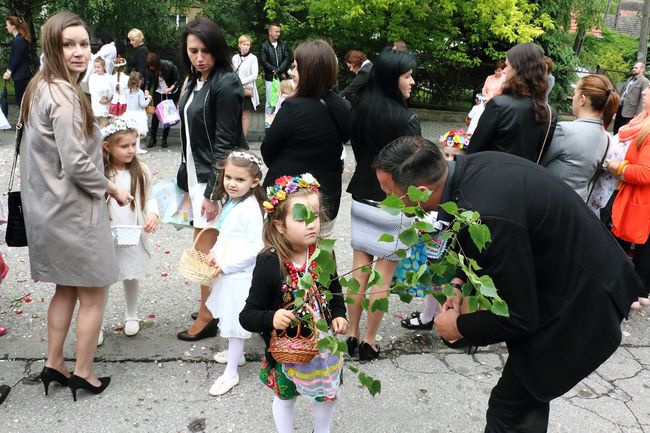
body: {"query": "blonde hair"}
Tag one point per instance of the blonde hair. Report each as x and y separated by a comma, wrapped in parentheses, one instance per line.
(134, 81)
(287, 87)
(55, 67)
(272, 237)
(136, 35)
(243, 38)
(101, 61)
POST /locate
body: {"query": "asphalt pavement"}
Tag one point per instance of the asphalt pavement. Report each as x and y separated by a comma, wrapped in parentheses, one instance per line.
(160, 384)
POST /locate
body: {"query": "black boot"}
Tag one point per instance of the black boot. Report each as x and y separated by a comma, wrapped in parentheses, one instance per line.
(164, 142)
(152, 142)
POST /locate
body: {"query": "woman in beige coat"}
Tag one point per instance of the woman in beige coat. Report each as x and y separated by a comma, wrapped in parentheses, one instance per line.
(63, 190)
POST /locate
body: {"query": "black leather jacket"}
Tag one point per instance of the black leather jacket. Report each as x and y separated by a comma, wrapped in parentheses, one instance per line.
(214, 122)
(275, 59)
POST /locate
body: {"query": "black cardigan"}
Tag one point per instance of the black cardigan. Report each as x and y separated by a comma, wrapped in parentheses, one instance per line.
(138, 62)
(508, 125)
(566, 281)
(265, 298)
(307, 136)
(169, 73)
(18, 62)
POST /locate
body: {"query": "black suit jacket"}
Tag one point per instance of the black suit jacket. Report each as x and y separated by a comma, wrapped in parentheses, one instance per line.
(566, 281)
(508, 125)
(359, 83)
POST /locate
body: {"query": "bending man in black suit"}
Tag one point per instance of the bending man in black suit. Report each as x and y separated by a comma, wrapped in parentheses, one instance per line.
(566, 281)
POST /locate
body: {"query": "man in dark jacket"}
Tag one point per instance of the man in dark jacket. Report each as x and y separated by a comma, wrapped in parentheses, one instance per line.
(276, 59)
(566, 281)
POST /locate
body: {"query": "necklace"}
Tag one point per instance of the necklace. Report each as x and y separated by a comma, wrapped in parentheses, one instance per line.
(296, 272)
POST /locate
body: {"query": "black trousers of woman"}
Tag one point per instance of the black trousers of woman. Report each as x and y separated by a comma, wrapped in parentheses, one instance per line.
(157, 98)
(19, 88)
(641, 261)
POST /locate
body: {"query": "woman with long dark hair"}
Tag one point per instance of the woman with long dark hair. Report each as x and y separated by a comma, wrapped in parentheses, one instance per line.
(163, 84)
(519, 121)
(211, 110)
(381, 117)
(18, 65)
(309, 130)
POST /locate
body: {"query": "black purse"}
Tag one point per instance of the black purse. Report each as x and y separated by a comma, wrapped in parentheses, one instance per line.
(181, 177)
(16, 235)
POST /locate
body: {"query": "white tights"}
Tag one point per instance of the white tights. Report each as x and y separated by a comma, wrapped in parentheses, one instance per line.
(283, 415)
(431, 307)
(131, 298)
(235, 352)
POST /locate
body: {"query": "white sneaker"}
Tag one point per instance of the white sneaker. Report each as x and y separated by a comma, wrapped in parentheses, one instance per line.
(222, 358)
(131, 327)
(223, 384)
(100, 339)
(141, 151)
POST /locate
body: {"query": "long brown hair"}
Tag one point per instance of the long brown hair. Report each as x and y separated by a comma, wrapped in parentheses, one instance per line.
(318, 70)
(139, 179)
(601, 94)
(530, 78)
(272, 237)
(54, 67)
(21, 26)
(253, 169)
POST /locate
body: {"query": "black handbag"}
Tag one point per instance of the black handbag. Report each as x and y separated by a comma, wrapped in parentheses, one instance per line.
(181, 175)
(606, 211)
(16, 235)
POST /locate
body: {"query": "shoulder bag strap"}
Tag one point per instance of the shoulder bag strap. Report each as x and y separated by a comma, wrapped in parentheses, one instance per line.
(19, 136)
(599, 170)
(548, 129)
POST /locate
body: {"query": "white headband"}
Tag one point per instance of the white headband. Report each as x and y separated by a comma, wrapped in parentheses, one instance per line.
(117, 125)
(248, 156)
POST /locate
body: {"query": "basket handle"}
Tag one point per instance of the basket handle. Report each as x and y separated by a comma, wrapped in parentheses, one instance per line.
(199, 235)
(284, 331)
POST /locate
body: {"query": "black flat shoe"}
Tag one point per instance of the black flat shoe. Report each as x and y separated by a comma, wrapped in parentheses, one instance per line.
(353, 344)
(49, 374)
(406, 323)
(461, 343)
(152, 143)
(367, 353)
(415, 314)
(194, 315)
(76, 382)
(210, 330)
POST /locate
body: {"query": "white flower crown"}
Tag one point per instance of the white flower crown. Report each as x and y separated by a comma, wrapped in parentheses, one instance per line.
(248, 156)
(117, 125)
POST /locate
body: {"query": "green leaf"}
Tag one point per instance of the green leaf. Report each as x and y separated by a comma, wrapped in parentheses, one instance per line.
(456, 226)
(484, 302)
(500, 308)
(327, 245)
(448, 290)
(467, 289)
(303, 213)
(380, 305)
(348, 300)
(410, 210)
(405, 297)
(352, 284)
(480, 234)
(298, 302)
(374, 279)
(414, 194)
(450, 207)
(472, 303)
(352, 368)
(365, 303)
(321, 325)
(409, 237)
(392, 204)
(386, 238)
(324, 279)
(306, 281)
(328, 295)
(424, 226)
(440, 297)
(487, 287)
(400, 253)
(323, 344)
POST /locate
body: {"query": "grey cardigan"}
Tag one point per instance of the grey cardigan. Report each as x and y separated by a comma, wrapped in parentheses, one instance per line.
(576, 152)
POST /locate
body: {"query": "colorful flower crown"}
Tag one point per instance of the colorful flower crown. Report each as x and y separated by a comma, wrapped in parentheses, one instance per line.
(246, 155)
(286, 185)
(455, 138)
(117, 125)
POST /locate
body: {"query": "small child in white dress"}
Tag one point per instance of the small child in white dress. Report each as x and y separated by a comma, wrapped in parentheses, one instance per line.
(120, 84)
(121, 166)
(240, 240)
(101, 88)
(136, 102)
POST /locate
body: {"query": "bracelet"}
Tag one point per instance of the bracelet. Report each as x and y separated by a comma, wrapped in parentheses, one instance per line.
(621, 166)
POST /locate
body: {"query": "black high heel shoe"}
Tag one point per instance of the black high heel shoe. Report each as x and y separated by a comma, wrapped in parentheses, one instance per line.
(76, 382)
(367, 353)
(49, 374)
(353, 344)
(210, 330)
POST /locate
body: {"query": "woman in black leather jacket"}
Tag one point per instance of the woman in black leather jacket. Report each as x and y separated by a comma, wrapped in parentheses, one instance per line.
(520, 120)
(211, 110)
(162, 83)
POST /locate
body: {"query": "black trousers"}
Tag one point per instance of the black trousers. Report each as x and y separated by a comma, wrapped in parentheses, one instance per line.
(512, 409)
(157, 98)
(620, 121)
(641, 261)
(19, 87)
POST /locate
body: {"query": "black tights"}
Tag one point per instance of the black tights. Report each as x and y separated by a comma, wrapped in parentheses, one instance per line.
(641, 261)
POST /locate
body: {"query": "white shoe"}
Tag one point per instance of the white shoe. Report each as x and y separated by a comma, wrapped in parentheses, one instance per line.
(222, 358)
(131, 327)
(223, 384)
(100, 339)
(141, 151)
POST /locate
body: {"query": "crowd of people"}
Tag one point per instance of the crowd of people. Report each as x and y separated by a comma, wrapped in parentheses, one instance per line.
(552, 194)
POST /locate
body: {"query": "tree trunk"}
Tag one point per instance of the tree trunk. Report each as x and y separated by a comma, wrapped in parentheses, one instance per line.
(643, 37)
(618, 13)
(579, 40)
(609, 3)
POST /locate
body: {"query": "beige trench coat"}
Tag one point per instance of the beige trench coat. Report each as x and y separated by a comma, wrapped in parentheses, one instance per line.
(63, 193)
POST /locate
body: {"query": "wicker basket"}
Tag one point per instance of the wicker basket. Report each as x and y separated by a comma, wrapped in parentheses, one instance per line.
(194, 264)
(293, 350)
(150, 109)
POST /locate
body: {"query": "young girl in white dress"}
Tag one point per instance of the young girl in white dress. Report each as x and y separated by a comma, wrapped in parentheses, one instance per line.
(136, 102)
(240, 240)
(100, 86)
(123, 168)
